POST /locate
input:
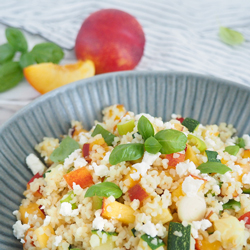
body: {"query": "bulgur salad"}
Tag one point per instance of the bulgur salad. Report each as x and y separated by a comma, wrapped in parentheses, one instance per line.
(136, 182)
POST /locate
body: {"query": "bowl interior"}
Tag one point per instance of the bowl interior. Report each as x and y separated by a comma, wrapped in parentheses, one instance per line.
(160, 94)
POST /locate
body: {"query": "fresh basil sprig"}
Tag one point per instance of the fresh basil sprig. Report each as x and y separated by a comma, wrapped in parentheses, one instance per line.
(66, 147)
(152, 145)
(231, 204)
(213, 167)
(231, 37)
(104, 189)
(158, 242)
(145, 128)
(126, 152)
(7, 52)
(26, 60)
(240, 142)
(172, 141)
(212, 156)
(107, 136)
(16, 39)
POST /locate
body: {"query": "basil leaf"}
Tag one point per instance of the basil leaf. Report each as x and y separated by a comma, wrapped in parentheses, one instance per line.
(133, 231)
(231, 204)
(230, 36)
(190, 124)
(213, 167)
(159, 242)
(232, 150)
(145, 128)
(7, 52)
(152, 145)
(172, 141)
(47, 52)
(66, 147)
(241, 143)
(104, 189)
(212, 156)
(107, 136)
(16, 38)
(10, 75)
(26, 60)
(126, 152)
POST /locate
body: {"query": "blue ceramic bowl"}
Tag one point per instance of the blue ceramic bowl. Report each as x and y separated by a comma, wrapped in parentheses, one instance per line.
(207, 99)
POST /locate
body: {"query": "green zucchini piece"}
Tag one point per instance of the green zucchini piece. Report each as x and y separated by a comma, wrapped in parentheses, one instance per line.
(153, 243)
(68, 198)
(179, 243)
(125, 127)
(245, 191)
(97, 202)
(190, 124)
(195, 141)
(231, 204)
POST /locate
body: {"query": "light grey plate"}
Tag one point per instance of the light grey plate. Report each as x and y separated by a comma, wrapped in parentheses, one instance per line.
(206, 99)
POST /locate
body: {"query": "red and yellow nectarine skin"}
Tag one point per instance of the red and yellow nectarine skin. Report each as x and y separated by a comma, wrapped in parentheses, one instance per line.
(137, 192)
(112, 39)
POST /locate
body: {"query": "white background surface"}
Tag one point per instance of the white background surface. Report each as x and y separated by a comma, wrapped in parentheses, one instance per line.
(181, 35)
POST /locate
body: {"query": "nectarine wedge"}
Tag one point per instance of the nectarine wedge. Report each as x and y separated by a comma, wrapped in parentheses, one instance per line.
(45, 77)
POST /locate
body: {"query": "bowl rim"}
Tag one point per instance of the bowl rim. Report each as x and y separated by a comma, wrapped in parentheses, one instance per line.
(94, 79)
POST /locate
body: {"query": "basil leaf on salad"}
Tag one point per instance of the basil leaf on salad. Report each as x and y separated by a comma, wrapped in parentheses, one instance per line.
(107, 136)
(231, 204)
(104, 189)
(232, 150)
(152, 145)
(212, 156)
(7, 52)
(26, 60)
(213, 167)
(126, 152)
(66, 147)
(172, 141)
(156, 240)
(231, 37)
(16, 39)
(241, 143)
(145, 127)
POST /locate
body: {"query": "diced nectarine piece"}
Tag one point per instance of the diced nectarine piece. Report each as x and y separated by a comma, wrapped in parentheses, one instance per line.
(174, 159)
(178, 126)
(178, 192)
(246, 153)
(118, 211)
(223, 161)
(45, 77)
(25, 237)
(137, 192)
(128, 181)
(99, 141)
(80, 176)
(32, 208)
(164, 217)
(43, 233)
(206, 245)
(191, 155)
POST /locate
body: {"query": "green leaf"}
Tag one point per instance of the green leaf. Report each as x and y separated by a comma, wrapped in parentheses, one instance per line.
(10, 75)
(44, 175)
(241, 143)
(230, 36)
(66, 147)
(149, 239)
(97, 202)
(47, 52)
(190, 124)
(195, 141)
(107, 136)
(94, 231)
(16, 38)
(68, 198)
(145, 128)
(172, 141)
(152, 145)
(245, 191)
(7, 52)
(126, 127)
(126, 152)
(104, 189)
(213, 167)
(26, 60)
(212, 156)
(231, 204)
(232, 150)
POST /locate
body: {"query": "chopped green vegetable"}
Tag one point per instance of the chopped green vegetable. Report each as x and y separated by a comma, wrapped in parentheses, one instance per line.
(241, 143)
(245, 191)
(70, 169)
(157, 242)
(232, 150)
(212, 156)
(230, 36)
(179, 243)
(190, 124)
(66, 147)
(107, 136)
(213, 167)
(126, 152)
(195, 141)
(125, 127)
(145, 127)
(133, 232)
(26, 60)
(44, 175)
(68, 198)
(108, 233)
(97, 202)
(231, 204)
(152, 145)
(172, 141)
(7, 52)
(104, 189)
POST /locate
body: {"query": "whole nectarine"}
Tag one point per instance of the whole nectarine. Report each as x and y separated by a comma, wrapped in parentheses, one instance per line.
(112, 39)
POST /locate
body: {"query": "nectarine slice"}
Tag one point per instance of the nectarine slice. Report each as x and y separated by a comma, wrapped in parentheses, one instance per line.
(45, 77)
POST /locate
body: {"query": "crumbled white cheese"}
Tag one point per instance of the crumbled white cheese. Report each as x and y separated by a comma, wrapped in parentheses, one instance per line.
(200, 225)
(235, 168)
(190, 186)
(68, 162)
(227, 177)
(19, 229)
(98, 223)
(16, 213)
(176, 155)
(186, 167)
(246, 178)
(149, 228)
(94, 241)
(47, 220)
(144, 166)
(216, 189)
(168, 125)
(66, 209)
(177, 233)
(83, 138)
(35, 164)
(246, 139)
(149, 117)
(42, 207)
(218, 157)
(58, 240)
(26, 215)
(106, 157)
(22, 241)
(76, 187)
(100, 170)
(80, 162)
